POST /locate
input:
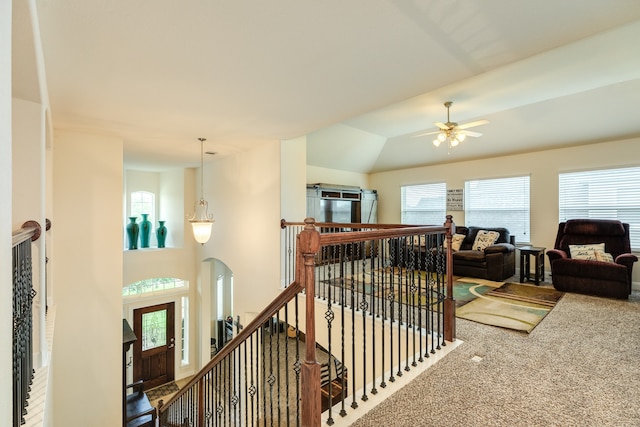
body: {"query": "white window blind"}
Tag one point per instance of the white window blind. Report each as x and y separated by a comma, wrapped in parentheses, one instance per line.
(424, 204)
(502, 202)
(603, 194)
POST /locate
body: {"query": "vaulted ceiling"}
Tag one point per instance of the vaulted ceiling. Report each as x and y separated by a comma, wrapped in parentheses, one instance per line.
(359, 78)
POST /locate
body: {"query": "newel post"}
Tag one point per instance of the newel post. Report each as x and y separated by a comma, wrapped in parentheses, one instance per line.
(308, 246)
(449, 302)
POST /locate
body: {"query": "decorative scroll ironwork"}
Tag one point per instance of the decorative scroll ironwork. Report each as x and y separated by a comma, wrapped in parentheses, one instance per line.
(23, 295)
(385, 299)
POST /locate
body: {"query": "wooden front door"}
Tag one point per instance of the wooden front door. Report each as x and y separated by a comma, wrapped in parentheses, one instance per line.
(154, 350)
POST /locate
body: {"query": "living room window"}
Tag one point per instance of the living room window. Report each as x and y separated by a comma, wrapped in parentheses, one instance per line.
(602, 194)
(501, 202)
(424, 204)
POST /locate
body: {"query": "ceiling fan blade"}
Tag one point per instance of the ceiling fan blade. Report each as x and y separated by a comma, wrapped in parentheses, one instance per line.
(472, 124)
(470, 133)
(441, 125)
(425, 134)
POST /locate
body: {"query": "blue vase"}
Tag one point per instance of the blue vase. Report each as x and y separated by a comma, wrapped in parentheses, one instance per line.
(145, 230)
(132, 232)
(161, 234)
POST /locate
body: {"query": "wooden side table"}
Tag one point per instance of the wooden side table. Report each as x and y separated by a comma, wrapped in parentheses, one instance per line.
(525, 262)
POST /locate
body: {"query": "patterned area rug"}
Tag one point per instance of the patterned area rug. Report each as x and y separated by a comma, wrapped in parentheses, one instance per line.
(465, 289)
(512, 306)
(163, 390)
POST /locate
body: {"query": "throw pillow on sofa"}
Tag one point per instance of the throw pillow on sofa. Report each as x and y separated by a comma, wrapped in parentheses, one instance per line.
(456, 242)
(586, 252)
(484, 239)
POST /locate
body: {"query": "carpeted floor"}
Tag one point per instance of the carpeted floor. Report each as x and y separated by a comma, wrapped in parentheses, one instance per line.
(579, 367)
(162, 391)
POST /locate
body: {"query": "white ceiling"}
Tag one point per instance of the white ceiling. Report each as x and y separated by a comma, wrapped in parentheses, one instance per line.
(359, 77)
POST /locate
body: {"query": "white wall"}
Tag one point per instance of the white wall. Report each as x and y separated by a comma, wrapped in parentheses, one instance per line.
(318, 175)
(171, 208)
(293, 194)
(243, 192)
(28, 200)
(87, 208)
(6, 280)
(542, 166)
(175, 260)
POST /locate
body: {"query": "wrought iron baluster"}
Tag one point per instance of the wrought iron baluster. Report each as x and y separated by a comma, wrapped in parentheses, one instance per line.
(395, 255)
(401, 275)
(364, 306)
(374, 264)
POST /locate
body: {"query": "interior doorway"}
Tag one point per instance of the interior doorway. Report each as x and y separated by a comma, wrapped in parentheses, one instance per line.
(154, 350)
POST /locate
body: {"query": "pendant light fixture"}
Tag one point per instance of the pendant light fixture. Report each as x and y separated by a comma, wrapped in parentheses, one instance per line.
(201, 220)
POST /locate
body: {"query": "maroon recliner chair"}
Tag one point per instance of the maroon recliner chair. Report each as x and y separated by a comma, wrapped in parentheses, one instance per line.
(592, 277)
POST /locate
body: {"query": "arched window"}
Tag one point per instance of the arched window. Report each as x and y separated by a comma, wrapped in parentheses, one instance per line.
(143, 202)
(149, 286)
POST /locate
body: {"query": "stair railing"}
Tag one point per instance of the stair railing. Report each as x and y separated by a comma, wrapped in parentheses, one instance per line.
(269, 373)
(23, 295)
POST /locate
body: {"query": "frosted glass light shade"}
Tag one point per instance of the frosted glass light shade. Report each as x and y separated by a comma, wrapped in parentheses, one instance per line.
(201, 222)
(202, 231)
(436, 142)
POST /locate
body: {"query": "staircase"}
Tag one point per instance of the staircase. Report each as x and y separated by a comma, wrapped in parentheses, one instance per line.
(379, 309)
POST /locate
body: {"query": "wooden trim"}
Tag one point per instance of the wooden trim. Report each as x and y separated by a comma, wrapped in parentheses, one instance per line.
(25, 233)
(280, 301)
(449, 303)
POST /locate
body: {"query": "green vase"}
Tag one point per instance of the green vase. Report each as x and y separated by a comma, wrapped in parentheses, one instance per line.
(132, 232)
(161, 234)
(145, 230)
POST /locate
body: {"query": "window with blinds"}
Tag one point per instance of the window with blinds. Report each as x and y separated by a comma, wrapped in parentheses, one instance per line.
(602, 194)
(502, 202)
(424, 204)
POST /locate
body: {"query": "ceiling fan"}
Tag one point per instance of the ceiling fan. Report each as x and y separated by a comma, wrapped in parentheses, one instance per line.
(452, 131)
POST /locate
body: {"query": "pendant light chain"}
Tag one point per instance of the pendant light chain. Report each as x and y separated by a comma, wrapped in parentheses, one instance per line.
(202, 140)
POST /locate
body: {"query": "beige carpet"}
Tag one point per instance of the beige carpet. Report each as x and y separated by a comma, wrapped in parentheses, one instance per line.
(579, 367)
(162, 391)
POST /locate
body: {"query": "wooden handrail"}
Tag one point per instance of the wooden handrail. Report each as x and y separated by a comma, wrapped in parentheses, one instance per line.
(308, 243)
(29, 230)
(280, 301)
(359, 236)
(284, 224)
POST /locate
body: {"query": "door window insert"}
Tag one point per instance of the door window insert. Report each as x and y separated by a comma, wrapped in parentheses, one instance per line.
(154, 328)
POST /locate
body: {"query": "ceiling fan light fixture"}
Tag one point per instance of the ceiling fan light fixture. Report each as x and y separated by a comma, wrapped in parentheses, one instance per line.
(452, 133)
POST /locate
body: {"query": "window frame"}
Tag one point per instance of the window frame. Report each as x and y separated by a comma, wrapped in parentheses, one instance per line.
(137, 207)
(619, 183)
(431, 190)
(503, 190)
